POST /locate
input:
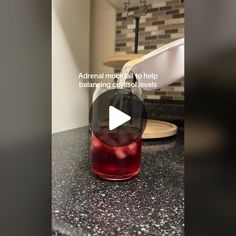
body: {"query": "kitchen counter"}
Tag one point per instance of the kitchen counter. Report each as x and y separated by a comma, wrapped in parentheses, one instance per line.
(150, 204)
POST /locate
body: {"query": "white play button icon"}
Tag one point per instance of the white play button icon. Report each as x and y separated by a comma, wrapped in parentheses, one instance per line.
(111, 114)
(117, 118)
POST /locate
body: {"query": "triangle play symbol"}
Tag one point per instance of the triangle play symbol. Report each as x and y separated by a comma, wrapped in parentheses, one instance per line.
(117, 118)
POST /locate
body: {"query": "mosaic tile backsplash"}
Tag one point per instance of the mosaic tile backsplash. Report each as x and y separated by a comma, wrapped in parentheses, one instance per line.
(162, 24)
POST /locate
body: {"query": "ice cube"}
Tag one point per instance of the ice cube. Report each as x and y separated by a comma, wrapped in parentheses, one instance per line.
(132, 148)
(96, 143)
(112, 141)
(120, 154)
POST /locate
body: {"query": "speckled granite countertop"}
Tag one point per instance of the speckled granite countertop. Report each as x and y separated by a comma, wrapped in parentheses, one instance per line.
(150, 204)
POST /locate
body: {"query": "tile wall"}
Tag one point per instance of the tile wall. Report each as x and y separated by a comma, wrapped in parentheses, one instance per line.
(162, 24)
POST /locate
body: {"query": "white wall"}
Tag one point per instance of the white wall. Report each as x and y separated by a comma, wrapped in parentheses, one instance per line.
(103, 28)
(70, 55)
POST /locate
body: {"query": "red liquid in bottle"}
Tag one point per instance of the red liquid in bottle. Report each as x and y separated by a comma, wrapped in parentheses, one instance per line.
(116, 163)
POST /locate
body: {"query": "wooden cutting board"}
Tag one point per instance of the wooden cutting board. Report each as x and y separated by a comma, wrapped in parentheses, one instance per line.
(158, 129)
(118, 61)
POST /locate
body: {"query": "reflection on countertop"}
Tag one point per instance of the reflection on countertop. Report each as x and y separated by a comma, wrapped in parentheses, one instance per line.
(150, 204)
